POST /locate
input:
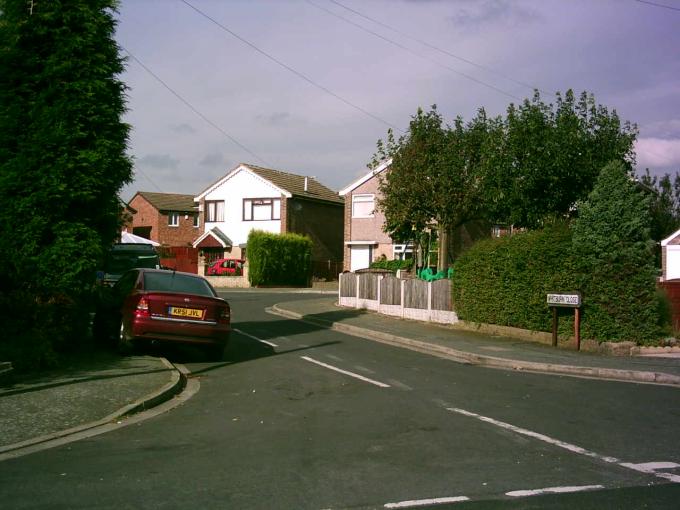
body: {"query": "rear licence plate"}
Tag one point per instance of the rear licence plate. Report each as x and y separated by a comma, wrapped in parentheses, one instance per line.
(191, 313)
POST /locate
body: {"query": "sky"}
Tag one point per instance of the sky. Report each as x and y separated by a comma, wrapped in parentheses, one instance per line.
(310, 86)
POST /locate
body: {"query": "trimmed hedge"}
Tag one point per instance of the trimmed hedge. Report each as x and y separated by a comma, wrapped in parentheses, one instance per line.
(392, 265)
(279, 259)
(505, 280)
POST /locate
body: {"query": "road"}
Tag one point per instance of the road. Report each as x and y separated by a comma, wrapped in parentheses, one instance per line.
(298, 417)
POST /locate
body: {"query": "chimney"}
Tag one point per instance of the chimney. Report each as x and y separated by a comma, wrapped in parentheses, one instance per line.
(305, 184)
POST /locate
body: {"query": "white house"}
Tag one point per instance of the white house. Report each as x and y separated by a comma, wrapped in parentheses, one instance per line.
(670, 257)
(251, 197)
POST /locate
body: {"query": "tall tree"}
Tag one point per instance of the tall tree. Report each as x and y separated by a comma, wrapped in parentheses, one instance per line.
(62, 142)
(612, 241)
(548, 156)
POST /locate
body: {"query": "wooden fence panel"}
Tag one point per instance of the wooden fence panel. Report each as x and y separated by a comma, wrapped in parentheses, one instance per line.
(368, 286)
(348, 285)
(441, 295)
(390, 291)
(415, 294)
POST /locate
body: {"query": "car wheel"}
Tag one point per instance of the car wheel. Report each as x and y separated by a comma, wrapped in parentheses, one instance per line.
(125, 346)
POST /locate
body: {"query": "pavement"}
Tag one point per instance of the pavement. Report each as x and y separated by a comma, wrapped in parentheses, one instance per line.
(41, 411)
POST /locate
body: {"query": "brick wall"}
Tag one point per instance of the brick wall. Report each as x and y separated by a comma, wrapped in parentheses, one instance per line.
(148, 216)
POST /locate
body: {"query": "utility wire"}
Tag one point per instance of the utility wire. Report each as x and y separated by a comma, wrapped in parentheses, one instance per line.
(290, 69)
(658, 5)
(149, 179)
(409, 50)
(436, 48)
(193, 109)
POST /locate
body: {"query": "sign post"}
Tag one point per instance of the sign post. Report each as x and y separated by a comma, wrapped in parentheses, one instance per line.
(566, 300)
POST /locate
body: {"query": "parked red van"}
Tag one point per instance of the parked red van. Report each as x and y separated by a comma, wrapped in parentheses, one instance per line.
(230, 267)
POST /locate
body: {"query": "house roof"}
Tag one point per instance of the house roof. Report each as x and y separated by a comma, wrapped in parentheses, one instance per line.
(382, 166)
(672, 239)
(169, 201)
(289, 184)
(216, 234)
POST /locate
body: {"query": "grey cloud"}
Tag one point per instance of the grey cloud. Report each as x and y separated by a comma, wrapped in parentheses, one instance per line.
(212, 160)
(478, 14)
(183, 128)
(159, 161)
(274, 119)
(662, 129)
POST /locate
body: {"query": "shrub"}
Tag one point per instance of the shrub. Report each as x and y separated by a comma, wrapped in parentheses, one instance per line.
(279, 259)
(392, 265)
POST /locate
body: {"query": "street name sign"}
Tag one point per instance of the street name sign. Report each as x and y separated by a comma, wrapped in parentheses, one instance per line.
(571, 299)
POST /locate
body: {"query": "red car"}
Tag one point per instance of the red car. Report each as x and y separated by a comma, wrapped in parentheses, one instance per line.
(158, 306)
(231, 267)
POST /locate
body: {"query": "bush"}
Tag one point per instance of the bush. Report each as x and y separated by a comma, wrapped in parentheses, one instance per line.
(392, 265)
(279, 259)
(505, 280)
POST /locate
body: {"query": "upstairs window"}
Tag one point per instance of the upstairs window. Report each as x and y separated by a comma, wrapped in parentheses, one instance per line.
(197, 220)
(173, 219)
(363, 206)
(261, 209)
(214, 210)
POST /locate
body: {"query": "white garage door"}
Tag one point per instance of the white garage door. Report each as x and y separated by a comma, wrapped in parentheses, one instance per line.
(360, 257)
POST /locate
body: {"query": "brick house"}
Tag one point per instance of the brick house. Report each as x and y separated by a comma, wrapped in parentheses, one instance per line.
(170, 219)
(364, 238)
(252, 197)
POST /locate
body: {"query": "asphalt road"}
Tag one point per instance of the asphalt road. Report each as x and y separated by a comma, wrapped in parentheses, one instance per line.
(298, 417)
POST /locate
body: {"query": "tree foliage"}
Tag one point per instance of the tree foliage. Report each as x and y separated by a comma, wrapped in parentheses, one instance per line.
(62, 144)
(614, 251)
(664, 196)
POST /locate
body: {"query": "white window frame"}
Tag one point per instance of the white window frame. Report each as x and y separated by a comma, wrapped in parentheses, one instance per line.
(173, 219)
(251, 206)
(363, 198)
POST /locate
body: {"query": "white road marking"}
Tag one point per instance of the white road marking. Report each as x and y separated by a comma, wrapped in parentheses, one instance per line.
(351, 374)
(334, 358)
(254, 337)
(642, 468)
(553, 490)
(653, 467)
(423, 502)
(541, 437)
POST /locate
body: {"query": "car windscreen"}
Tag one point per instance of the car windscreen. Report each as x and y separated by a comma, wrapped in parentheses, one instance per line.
(118, 263)
(175, 282)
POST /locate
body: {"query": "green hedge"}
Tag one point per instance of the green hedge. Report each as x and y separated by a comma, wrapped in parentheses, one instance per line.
(505, 281)
(392, 265)
(279, 259)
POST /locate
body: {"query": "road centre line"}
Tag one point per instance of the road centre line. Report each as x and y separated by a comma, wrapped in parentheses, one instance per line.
(254, 337)
(345, 372)
(649, 468)
(553, 490)
(423, 502)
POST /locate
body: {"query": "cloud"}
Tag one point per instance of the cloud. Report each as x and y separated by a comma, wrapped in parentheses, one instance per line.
(478, 14)
(160, 161)
(274, 119)
(212, 160)
(658, 152)
(662, 129)
(183, 128)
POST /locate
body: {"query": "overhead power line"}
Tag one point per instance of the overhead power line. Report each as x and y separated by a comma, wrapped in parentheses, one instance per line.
(436, 48)
(291, 69)
(658, 5)
(193, 109)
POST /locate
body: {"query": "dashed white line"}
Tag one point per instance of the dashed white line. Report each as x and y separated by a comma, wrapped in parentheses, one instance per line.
(346, 372)
(423, 502)
(553, 490)
(254, 338)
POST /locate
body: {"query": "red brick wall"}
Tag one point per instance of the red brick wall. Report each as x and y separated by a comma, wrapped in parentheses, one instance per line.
(148, 216)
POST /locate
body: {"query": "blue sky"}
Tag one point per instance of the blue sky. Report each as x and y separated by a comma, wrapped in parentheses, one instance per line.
(296, 85)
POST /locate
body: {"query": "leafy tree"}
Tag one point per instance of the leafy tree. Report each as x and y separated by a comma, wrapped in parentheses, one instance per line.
(612, 241)
(62, 144)
(664, 206)
(546, 157)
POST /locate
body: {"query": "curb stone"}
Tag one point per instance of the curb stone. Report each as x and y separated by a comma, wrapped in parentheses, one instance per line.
(613, 374)
(178, 379)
